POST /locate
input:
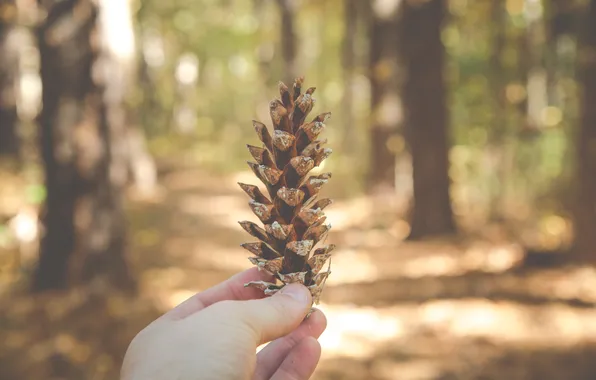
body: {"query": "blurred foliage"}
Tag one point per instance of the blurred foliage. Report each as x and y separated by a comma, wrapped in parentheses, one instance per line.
(208, 67)
(205, 68)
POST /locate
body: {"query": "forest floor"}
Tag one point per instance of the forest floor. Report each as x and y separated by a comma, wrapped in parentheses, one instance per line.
(443, 309)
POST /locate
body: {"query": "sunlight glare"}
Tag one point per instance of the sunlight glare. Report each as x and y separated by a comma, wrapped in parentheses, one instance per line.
(118, 31)
(354, 331)
(385, 8)
(360, 331)
(25, 225)
(436, 265)
(187, 71)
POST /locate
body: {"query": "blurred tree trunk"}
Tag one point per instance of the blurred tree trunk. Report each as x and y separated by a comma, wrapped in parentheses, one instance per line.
(524, 65)
(533, 75)
(498, 130)
(264, 50)
(426, 117)
(385, 107)
(349, 63)
(585, 210)
(84, 158)
(537, 82)
(560, 20)
(289, 43)
(123, 61)
(9, 141)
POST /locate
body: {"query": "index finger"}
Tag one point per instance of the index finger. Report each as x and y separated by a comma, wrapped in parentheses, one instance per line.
(231, 289)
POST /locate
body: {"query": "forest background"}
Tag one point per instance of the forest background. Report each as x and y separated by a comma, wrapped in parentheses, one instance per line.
(464, 176)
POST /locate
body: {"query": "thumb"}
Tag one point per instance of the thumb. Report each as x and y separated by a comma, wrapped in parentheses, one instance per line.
(272, 317)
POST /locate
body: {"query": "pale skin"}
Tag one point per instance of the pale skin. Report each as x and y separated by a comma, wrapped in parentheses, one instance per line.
(214, 335)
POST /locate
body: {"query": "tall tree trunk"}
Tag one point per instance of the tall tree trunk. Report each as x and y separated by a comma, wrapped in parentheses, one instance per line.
(524, 65)
(561, 19)
(289, 43)
(81, 140)
(264, 50)
(385, 107)
(537, 82)
(349, 64)
(9, 141)
(530, 74)
(585, 210)
(498, 129)
(123, 63)
(426, 117)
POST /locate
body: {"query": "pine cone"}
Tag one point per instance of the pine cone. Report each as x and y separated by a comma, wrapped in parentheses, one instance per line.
(292, 216)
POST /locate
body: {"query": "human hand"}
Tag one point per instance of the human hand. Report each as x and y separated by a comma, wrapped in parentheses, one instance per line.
(214, 334)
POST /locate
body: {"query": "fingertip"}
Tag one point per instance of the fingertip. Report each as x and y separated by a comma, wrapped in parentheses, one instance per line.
(317, 323)
(270, 358)
(311, 346)
(298, 292)
(276, 316)
(301, 362)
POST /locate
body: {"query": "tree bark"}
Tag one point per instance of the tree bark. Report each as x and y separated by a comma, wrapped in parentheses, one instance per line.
(9, 141)
(426, 117)
(385, 107)
(585, 210)
(289, 43)
(81, 140)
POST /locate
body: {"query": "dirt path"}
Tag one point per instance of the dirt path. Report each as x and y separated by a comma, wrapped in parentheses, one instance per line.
(429, 310)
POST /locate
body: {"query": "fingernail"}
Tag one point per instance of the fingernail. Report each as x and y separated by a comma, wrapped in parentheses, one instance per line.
(296, 291)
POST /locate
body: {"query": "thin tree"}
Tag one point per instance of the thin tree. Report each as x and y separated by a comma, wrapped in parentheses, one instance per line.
(9, 141)
(498, 129)
(426, 117)
(289, 42)
(585, 210)
(349, 65)
(81, 137)
(386, 115)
